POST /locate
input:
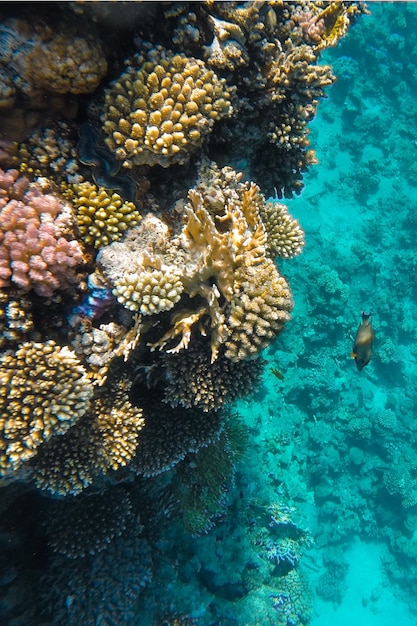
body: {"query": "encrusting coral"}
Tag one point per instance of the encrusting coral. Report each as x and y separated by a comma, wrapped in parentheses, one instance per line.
(44, 391)
(160, 109)
(38, 248)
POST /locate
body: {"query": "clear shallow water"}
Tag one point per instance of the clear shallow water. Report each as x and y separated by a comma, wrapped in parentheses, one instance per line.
(330, 472)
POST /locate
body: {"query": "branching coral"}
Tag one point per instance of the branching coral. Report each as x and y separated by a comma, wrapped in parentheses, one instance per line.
(218, 260)
(191, 380)
(285, 237)
(44, 391)
(77, 527)
(106, 438)
(37, 248)
(102, 216)
(160, 109)
(169, 435)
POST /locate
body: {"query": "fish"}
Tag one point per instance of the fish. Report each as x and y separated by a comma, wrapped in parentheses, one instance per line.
(362, 345)
(277, 373)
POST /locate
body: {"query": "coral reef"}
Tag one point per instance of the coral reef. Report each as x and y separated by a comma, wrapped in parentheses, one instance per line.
(139, 286)
(190, 379)
(217, 258)
(160, 109)
(86, 525)
(45, 390)
(38, 249)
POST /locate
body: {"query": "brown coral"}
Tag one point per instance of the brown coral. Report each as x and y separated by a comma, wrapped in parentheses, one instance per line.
(44, 391)
(160, 109)
(190, 379)
(106, 438)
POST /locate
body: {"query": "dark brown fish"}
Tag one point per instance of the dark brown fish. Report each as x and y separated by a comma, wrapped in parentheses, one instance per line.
(362, 346)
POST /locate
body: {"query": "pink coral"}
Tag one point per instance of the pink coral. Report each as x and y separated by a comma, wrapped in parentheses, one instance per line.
(36, 250)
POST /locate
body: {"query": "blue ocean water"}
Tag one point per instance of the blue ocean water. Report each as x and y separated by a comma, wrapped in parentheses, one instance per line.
(321, 525)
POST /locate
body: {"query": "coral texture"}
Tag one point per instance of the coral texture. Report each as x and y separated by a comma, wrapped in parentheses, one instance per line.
(102, 216)
(285, 237)
(60, 60)
(105, 438)
(44, 391)
(218, 259)
(37, 248)
(190, 379)
(160, 109)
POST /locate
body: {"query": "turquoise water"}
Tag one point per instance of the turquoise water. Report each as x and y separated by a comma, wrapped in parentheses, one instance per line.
(320, 525)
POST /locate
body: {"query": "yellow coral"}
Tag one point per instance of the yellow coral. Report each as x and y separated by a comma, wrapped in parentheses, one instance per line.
(44, 390)
(102, 216)
(149, 292)
(105, 438)
(161, 108)
(285, 235)
(259, 310)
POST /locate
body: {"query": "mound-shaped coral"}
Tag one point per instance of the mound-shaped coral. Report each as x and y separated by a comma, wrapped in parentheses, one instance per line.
(63, 59)
(44, 391)
(37, 247)
(160, 109)
(102, 216)
(285, 237)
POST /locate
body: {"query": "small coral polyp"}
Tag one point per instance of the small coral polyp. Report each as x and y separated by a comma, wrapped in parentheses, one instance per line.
(161, 108)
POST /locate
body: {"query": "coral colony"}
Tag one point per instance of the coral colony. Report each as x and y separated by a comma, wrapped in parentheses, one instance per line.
(141, 278)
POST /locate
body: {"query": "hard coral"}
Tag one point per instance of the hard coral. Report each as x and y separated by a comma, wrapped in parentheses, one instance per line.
(37, 250)
(106, 438)
(102, 216)
(40, 59)
(285, 237)
(213, 261)
(160, 109)
(191, 380)
(44, 391)
(258, 311)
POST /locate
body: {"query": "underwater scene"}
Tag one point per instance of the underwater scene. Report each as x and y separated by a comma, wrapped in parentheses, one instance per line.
(208, 305)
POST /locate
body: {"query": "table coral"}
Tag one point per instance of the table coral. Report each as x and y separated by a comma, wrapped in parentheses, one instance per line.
(160, 109)
(37, 247)
(102, 216)
(44, 391)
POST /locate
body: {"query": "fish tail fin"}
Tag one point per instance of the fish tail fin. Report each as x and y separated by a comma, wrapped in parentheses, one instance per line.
(366, 316)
